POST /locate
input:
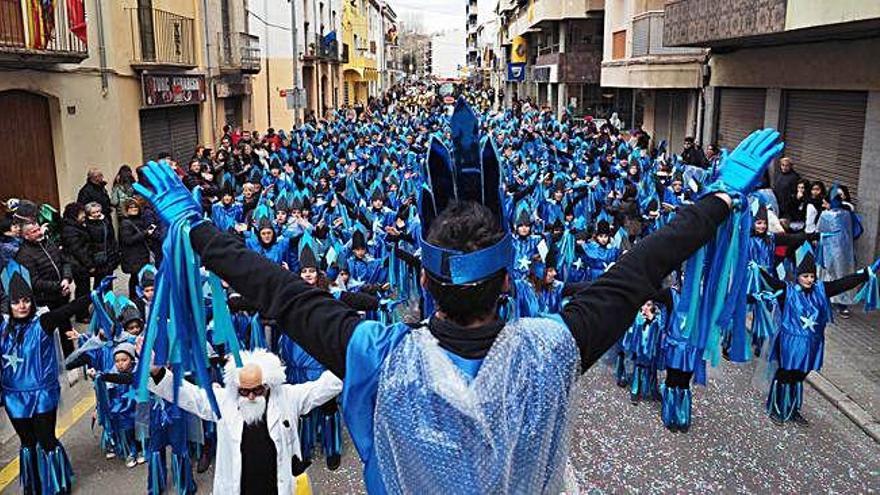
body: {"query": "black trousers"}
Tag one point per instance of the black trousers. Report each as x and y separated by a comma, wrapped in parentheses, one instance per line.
(66, 344)
(39, 429)
(678, 378)
(790, 376)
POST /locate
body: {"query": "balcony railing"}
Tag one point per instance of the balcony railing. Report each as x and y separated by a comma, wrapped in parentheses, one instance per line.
(59, 38)
(647, 37)
(547, 49)
(160, 38)
(320, 49)
(240, 52)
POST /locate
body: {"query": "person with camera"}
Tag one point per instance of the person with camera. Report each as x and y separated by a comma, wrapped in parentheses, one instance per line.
(134, 240)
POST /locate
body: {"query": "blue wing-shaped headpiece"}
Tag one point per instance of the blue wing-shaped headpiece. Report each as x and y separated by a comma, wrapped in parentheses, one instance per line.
(471, 172)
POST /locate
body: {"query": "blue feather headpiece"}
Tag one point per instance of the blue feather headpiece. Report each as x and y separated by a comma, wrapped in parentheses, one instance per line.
(470, 173)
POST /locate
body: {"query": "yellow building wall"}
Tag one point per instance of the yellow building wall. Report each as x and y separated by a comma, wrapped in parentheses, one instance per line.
(275, 74)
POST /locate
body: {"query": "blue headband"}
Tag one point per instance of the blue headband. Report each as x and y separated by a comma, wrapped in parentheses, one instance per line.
(465, 268)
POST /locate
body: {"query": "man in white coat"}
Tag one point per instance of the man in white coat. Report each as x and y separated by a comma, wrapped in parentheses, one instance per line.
(259, 420)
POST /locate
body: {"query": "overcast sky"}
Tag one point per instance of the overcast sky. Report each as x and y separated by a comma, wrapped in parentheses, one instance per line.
(437, 15)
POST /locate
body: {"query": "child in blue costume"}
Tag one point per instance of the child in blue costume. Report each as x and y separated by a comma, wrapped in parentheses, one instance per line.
(227, 213)
(30, 383)
(797, 347)
(641, 343)
(599, 254)
(401, 380)
(122, 403)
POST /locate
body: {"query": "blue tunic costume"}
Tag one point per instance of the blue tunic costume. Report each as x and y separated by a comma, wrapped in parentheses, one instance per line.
(30, 369)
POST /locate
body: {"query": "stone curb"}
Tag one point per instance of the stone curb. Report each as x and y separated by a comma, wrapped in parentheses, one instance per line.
(853, 411)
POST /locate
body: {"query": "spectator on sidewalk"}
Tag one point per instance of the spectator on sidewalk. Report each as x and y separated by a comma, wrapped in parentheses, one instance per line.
(51, 276)
(95, 191)
(122, 190)
(102, 242)
(10, 239)
(814, 206)
(784, 186)
(76, 253)
(134, 236)
(693, 154)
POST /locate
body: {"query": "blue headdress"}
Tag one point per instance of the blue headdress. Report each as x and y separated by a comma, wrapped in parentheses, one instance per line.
(472, 173)
(16, 281)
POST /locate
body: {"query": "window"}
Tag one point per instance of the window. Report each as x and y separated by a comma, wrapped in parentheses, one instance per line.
(618, 45)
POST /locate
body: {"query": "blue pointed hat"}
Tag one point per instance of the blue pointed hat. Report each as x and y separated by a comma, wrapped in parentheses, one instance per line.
(468, 172)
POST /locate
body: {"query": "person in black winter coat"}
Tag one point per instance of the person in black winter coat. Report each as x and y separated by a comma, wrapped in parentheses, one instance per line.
(95, 190)
(75, 246)
(134, 240)
(102, 242)
(51, 276)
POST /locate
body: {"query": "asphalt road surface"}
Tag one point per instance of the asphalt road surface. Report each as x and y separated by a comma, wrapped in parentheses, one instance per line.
(617, 447)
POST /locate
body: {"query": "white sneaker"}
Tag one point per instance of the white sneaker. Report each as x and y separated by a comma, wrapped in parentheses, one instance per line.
(141, 459)
(109, 455)
(130, 462)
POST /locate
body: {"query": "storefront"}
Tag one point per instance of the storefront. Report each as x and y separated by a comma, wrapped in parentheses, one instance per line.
(169, 114)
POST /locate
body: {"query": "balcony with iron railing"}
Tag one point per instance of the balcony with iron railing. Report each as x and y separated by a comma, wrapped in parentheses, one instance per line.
(319, 48)
(161, 39)
(59, 38)
(239, 52)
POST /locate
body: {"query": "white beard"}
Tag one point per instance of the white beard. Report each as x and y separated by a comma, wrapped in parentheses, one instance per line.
(252, 410)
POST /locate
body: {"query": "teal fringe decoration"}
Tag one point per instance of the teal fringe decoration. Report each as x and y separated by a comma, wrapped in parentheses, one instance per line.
(620, 373)
(181, 469)
(331, 434)
(870, 292)
(784, 400)
(676, 407)
(644, 383)
(29, 476)
(56, 473)
(156, 479)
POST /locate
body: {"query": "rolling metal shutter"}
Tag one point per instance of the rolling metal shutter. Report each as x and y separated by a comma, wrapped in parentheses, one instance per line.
(823, 135)
(670, 118)
(174, 130)
(741, 111)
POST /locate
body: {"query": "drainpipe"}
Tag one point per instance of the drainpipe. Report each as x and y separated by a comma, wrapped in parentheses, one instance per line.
(212, 103)
(295, 53)
(102, 48)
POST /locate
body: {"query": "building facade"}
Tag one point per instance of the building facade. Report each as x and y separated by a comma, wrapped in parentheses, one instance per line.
(359, 71)
(472, 38)
(665, 84)
(808, 68)
(554, 52)
(99, 84)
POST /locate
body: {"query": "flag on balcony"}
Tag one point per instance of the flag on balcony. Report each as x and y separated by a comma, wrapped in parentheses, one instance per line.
(76, 19)
(329, 38)
(41, 22)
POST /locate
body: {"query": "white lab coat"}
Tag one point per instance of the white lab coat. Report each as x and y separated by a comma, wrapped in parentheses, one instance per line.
(286, 404)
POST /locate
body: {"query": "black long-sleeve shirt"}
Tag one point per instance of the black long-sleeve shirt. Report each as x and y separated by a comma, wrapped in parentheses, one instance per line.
(832, 287)
(597, 316)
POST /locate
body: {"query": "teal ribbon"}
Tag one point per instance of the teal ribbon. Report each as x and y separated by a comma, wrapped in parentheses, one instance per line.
(870, 292)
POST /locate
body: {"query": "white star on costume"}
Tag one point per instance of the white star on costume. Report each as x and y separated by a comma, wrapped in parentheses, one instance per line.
(12, 360)
(578, 263)
(523, 263)
(808, 323)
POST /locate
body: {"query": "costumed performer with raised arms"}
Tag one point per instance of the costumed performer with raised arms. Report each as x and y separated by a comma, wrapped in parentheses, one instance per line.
(429, 408)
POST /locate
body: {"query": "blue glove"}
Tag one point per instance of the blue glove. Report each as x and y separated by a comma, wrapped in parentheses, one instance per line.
(172, 200)
(106, 283)
(743, 169)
